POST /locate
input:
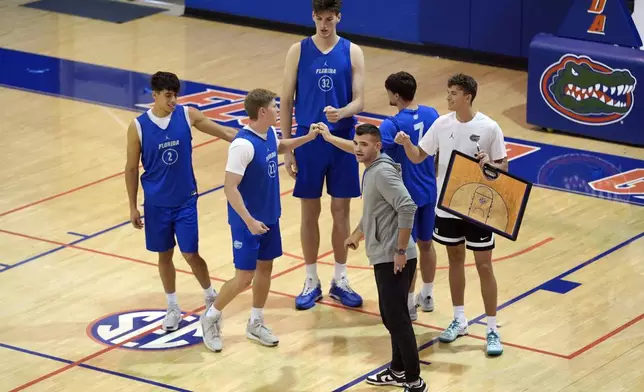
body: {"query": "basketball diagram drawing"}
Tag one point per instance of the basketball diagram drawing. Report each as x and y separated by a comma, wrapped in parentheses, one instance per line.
(482, 203)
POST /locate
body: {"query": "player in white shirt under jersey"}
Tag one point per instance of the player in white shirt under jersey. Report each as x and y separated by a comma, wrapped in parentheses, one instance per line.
(459, 130)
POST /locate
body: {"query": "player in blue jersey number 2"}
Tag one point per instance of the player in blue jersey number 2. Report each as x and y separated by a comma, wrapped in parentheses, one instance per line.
(324, 82)
(161, 139)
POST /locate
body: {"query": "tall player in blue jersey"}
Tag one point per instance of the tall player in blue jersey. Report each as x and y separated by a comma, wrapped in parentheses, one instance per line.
(324, 80)
(161, 139)
(252, 187)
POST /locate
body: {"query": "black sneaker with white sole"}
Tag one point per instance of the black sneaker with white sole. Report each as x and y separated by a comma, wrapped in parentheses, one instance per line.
(387, 377)
(418, 386)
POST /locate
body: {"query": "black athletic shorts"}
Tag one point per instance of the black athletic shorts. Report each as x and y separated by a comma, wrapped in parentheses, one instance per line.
(450, 232)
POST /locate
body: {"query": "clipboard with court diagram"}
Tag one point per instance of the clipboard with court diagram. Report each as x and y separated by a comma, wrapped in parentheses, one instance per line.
(489, 197)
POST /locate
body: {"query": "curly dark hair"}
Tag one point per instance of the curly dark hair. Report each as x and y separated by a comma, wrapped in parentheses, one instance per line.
(320, 6)
(165, 81)
(466, 83)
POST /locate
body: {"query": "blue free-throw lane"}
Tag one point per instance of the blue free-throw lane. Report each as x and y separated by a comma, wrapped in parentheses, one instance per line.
(98, 369)
(582, 172)
(103, 10)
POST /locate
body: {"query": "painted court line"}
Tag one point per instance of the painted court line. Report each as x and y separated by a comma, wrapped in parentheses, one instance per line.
(289, 270)
(48, 252)
(96, 251)
(110, 348)
(98, 369)
(518, 298)
(67, 192)
(324, 302)
(606, 337)
(95, 355)
(77, 234)
(496, 260)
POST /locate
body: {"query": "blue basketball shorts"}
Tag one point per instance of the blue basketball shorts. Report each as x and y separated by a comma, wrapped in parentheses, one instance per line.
(424, 221)
(249, 248)
(318, 160)
(162, 224)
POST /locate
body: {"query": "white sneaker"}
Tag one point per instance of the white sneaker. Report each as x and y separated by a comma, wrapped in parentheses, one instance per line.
(259, 332)
(210, 301)
(172, 319)
(211, 331)
(425, 303)
(413, 313)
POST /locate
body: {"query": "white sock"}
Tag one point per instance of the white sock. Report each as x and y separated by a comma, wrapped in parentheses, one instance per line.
(459, 314)
(410, 300)
(209, 292)
(212, 311)
(312, 272)
(172, 299)
(427, 290)
(340, 271)
(256, 314)
(491, 323)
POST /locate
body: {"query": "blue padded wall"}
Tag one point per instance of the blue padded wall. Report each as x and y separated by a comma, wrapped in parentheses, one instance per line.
(541, 16)
(445, 22)
(392, 20)
(285, 11)
(496, 26)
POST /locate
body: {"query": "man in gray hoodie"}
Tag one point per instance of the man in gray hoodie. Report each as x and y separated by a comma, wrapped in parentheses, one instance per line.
(387, 220)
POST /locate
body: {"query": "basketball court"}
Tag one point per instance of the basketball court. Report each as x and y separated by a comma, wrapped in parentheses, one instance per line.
(81, 298)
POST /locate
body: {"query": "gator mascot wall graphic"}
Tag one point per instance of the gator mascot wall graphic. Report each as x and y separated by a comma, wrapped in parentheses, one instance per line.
(586, 91)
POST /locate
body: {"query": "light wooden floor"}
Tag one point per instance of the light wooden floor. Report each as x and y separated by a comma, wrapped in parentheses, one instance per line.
(590, 339)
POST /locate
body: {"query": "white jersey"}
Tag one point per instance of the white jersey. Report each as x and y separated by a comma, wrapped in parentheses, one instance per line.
(448, 134)
(241, 152)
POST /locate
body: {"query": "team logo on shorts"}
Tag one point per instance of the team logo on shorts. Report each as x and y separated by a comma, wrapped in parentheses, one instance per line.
(586, 91)
(142, 331)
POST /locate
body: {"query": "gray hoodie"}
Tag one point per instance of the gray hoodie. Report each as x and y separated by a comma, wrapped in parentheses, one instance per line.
(386, 207)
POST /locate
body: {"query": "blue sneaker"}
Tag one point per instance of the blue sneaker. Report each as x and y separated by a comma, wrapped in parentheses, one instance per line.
(494, 346)
(342, 292)
(455, 329)
(309, 296)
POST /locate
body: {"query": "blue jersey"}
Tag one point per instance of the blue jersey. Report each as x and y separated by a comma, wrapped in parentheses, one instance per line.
(168, 179)
(420, 180)
(260, 185)
(323, 80)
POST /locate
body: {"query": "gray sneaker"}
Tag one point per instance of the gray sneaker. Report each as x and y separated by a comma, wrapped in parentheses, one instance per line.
(425, 303)
(211, 331)
(413, 313)
(171, 319)
(259, 332)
